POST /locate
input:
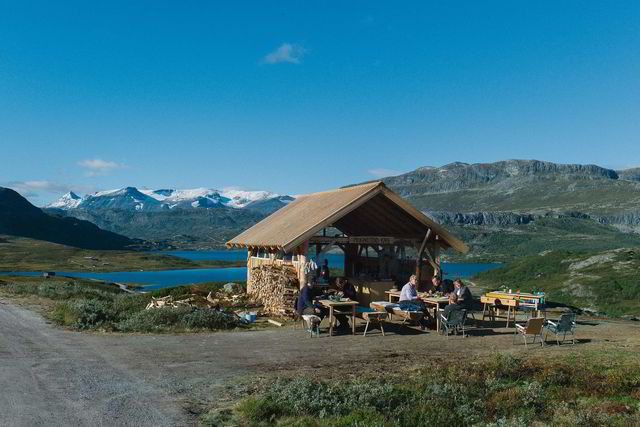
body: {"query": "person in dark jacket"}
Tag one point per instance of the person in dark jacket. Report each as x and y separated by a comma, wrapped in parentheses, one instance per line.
(305, 303)
(452, 306)
(465, 299)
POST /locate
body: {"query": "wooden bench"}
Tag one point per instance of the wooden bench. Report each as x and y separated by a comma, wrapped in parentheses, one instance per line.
(393, 309)
(373, 318)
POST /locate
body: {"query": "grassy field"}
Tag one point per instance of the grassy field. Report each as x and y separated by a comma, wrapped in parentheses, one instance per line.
(88, 305)
(599, 389)
(22, 254)
(607, 281)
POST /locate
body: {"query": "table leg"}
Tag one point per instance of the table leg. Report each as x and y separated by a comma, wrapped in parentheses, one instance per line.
(437, 314)
(353, 320)
(330, 320)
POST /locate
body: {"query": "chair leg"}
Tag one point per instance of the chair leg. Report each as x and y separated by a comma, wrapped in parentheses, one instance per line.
(366, 327)
(524, 337)
(382, 328)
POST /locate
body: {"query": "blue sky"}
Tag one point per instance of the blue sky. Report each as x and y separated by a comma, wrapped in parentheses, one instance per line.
(296, 97)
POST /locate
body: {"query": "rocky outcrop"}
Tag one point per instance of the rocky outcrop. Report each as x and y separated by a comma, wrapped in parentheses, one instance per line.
(458, 176)
(632, 174)
(481, 218)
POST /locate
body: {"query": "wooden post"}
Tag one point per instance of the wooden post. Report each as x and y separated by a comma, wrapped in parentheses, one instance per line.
(419, 258)
(303, 249)
(250, 253)
(436, 257)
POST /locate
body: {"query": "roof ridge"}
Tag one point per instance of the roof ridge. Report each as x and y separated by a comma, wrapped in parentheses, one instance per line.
(371, 184)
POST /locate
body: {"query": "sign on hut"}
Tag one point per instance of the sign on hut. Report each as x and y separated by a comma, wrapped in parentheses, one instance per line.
(383, 238)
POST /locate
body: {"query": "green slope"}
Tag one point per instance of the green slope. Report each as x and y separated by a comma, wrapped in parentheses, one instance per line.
(607, 281)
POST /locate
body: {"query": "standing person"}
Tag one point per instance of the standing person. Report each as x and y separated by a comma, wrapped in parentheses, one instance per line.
(324, 271)
(465, 299)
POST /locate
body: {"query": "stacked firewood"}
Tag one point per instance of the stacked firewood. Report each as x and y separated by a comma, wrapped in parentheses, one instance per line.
(275, 287)
(193, 300)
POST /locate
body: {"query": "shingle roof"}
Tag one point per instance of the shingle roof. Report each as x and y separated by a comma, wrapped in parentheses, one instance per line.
(363, 210)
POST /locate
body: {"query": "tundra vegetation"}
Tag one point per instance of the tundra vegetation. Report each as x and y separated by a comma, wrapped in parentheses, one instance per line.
(88, 306)
(501, 390)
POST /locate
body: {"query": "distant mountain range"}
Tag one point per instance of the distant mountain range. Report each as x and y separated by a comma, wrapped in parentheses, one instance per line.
(18, 217)
(500, 208)
(131, 198)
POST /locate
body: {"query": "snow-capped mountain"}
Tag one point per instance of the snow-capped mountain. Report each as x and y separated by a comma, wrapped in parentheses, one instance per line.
(131, 198)
(68, 201)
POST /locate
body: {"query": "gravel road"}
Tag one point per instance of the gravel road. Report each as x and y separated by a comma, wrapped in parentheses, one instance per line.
(56, 377)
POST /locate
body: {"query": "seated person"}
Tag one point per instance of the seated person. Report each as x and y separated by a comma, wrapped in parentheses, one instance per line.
(447, 286)
(343, 289)
(444, 286)
(305, 303)
(465, 299)
(452, 306)
(409, 300)
(347, 289)
(435, 283)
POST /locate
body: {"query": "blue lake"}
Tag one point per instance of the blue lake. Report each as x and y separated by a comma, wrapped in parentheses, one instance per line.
(170, 278)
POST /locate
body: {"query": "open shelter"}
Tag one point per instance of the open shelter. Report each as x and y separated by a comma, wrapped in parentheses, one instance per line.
(361, 220)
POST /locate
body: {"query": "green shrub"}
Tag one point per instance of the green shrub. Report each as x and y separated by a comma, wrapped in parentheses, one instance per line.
(207, 318)
(153, 320)
(85, 313)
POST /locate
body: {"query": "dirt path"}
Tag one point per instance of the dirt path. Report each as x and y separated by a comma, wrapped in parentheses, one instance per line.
(57, 377)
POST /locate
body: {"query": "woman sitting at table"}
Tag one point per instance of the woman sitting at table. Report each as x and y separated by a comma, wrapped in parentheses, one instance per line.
(409, 300)
(465, 299)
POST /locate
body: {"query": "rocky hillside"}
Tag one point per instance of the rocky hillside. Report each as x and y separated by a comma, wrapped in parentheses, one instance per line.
(521, 186)
(18, 217)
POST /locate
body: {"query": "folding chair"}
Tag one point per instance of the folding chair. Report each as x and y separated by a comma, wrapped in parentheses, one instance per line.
(313, 324)
(454, 322)
(533, 327)
(566, 324)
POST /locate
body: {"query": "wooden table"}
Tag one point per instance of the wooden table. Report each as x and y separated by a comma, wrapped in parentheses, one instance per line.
(435, 301)
(427, 299)
(521, 297)
(331, 304)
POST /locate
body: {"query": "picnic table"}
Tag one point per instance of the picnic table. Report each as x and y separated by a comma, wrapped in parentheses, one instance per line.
(524, 299)
(428, 299)
(331, 305)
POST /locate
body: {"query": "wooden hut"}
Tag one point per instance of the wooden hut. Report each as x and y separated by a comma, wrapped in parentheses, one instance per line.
(361, 220)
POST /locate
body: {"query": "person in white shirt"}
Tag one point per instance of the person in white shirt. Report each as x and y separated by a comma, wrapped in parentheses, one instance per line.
(409, 291)
(409, 300)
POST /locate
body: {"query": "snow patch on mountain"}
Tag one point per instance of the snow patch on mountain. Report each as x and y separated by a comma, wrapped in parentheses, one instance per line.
(68, 201)
(149, 199)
